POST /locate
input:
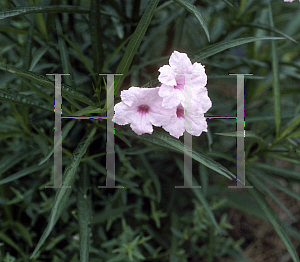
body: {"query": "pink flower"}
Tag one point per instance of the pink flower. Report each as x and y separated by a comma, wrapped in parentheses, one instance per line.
(192, 121)
(173, 79)
(142, 108)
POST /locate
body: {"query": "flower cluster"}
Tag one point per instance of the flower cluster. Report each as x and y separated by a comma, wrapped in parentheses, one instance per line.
(178, 105)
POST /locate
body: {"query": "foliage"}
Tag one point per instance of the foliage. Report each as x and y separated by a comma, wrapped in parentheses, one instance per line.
(147, 219)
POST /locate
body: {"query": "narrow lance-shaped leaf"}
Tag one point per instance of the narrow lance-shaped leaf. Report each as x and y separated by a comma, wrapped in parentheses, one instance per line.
(276, 87)
(134, 44)
(273, 196)
(17, 98)
(80, 54)
(27, 60)
(176, 145)
(37, 56)
(65, 132)
(273, 219)
(219, 47)
(84, 215)
(63, 193)
(153, 176)
(96, 37)
(64, 55)
(23, 10)
(291, 126)
(199, 195)
(24, 172)
(194, 10)
(44, 81)
(269, 28)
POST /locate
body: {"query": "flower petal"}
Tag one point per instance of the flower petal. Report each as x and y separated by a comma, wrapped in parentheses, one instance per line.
(141, 124)
(199, 76)
(167, 75)
(175, 127)
(171, 96)
(123, 114)
(131, 96)
(180, 62)
(196, 124)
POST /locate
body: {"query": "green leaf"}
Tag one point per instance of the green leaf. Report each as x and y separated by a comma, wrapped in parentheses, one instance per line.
(117, 50)
(273, 196)
(273, 219)
(42, 93)
(281, 172)
(63, 193)
(8, 161)
(89, 110)
(17, 31)
(37, 56)
(17, 98)
(23, 10)
(294, 134)
(278, 185)
(290, 127)
(134, 44)
(227, 2)
(240, 134)
(80, 54)
(24, 172)
(194, 10)
(199, 195)
(64, 56)
(270, 28)
(176, 145)
(124, 139)
(10, 242)
(44, 81)
(275, 70)
(219, 47)
(96, 37)
(84, 215)
(66, 129)
(153, 176)
(4, 135)
(24, 232)
(110, 212)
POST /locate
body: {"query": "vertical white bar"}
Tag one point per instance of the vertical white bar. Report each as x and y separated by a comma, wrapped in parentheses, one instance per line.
(110, 132)
(240, 124)
(57, 133)
(188, 139)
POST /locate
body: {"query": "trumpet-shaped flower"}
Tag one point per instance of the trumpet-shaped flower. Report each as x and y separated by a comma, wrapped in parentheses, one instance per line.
(191, 120)
(142, 108)
(173, 79)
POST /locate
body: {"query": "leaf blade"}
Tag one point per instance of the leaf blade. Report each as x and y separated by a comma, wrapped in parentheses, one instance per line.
(63, 193)
(23, 10)
(219, 47)
(273, 219)
(176, 145)
(193, 9)
(134, 43)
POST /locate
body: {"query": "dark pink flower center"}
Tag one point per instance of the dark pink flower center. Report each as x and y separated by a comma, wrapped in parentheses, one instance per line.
(179, 86)
(143, 109)
(180, 112)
